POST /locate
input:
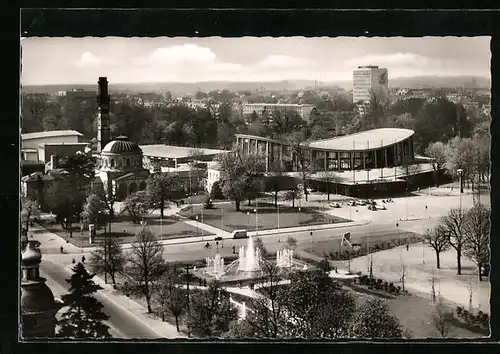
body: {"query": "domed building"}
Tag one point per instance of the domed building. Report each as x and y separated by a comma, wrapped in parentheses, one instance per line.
(38, 307)
(121, 170)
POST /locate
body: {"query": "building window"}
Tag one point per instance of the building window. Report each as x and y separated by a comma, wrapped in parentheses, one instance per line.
(128, 162)
(112, 163)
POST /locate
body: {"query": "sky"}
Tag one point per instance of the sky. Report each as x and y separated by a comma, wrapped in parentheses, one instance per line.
(66, 60)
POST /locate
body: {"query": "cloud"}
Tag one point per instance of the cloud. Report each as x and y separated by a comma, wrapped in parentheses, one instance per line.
(284, 62)
(88, 59)
(394, 59)
(187, 53)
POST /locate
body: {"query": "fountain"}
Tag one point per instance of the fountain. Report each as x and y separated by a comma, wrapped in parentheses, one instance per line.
(215, 265)
(249, 258)
(284, 258)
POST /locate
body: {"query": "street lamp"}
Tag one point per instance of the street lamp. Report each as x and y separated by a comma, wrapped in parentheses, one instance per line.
(202, 222)
(248, 220)
(460, 173)
(256, 221)
(197, 227)
(298, 214)
(278, 205)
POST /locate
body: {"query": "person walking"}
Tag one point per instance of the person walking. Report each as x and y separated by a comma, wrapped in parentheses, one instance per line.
(407, 246)
(62, 249)
(83, 259)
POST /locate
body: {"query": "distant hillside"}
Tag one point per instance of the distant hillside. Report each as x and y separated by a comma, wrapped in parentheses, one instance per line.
(179, 88)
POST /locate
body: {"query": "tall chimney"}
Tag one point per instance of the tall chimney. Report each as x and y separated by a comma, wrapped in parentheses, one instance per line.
(103, 135)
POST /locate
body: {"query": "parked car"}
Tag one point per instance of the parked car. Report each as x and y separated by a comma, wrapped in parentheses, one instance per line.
(335, 205)
(218, 238)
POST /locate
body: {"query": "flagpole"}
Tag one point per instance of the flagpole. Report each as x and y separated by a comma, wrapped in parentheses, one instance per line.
(353, 167)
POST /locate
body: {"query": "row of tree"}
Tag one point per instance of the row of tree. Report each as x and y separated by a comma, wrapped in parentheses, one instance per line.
(466, 231)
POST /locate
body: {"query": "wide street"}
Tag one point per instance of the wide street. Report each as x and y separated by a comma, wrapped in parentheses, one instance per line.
(122, 322)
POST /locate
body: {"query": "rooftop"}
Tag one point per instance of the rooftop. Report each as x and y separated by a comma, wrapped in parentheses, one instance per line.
(50, 134)
(369, 139)
(174, 152)
(280, 104)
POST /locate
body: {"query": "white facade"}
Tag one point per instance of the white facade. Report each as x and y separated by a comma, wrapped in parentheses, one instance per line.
(366, 79)
(303, 110)
(213, 175)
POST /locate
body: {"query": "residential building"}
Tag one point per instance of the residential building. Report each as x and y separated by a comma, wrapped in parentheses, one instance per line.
(303, 110)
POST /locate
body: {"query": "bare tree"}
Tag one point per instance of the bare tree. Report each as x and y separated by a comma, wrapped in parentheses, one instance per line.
(442, 318)
(329, 177)
(146, 263)
(470, 288)
(302, 153)
(108, 257)
(437, 151)
(170, 297)
(404, 272)
(438, 240)
(477, 235)
(433, 286)
(293, 194)
(453, 222)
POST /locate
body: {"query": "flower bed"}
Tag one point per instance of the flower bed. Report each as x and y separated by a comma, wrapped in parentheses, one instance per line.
(379, 284)
(479, 322)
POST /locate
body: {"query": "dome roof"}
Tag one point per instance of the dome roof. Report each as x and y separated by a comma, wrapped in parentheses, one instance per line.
(37, 297)
(121, 144)
(31, 255)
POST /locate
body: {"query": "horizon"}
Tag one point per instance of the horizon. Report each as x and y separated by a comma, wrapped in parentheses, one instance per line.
(78, 61)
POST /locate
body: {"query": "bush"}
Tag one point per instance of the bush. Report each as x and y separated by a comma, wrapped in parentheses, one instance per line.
(460, 311)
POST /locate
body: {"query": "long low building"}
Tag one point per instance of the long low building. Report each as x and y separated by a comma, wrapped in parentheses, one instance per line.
(160, 156)
(371, 149)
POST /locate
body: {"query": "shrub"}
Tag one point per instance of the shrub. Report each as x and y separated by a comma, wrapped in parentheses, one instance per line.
(216, 192)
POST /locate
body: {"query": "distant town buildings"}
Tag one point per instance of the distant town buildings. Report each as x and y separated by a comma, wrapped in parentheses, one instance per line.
(303, 110)
(368, 79)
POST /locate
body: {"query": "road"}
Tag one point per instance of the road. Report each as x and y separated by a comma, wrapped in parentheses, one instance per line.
(122, 323)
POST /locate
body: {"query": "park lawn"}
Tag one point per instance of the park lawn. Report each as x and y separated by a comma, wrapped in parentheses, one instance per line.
(319, 248)
(171, 227)
(224, 216)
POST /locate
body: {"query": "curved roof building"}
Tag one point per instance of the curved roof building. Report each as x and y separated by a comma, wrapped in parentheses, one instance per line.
(371, 149)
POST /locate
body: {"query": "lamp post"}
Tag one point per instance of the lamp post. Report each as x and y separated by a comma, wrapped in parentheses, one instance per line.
(278, 205)
(197, 227)
(248, 220)
(256, 221)
(423, 247)
(298, 214)
(202, 222)
(460, 173)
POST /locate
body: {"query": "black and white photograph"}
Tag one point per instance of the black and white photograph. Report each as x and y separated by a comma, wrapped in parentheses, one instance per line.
(205, 188)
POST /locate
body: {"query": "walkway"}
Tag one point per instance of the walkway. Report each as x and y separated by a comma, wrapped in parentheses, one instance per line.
(163, 329)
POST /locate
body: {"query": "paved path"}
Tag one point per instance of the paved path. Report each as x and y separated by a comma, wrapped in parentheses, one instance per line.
(127, 317)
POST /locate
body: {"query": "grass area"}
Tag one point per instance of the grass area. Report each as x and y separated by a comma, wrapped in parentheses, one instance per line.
(124, 229)
(321, 247)
(415, 314)
(224, 216)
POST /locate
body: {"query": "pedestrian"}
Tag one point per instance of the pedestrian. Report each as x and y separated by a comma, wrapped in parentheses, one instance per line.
(83, 259)
(234, 249)
(62, 249)
(407, 246)
(73, 261)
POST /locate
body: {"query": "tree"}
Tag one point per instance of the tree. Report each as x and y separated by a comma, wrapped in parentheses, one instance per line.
(329, 177)
(211, 312)
(84, 317)
(145, 263)
(453, 222)
(373, 320)
(460, 155)
(138, 205)
(260, 246)
(317, 307)
(29, 209)
(194, 156)
(238, 174)
(477, 236)
(108, 258)
(324, 265)
(161, 188)
(216, 192)
(291, 242)
(170, 297)
(442, 318)
(93, 208)
(293, 194)
(276, 179)
(438, 239)
(437, 151)
(300, 149)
